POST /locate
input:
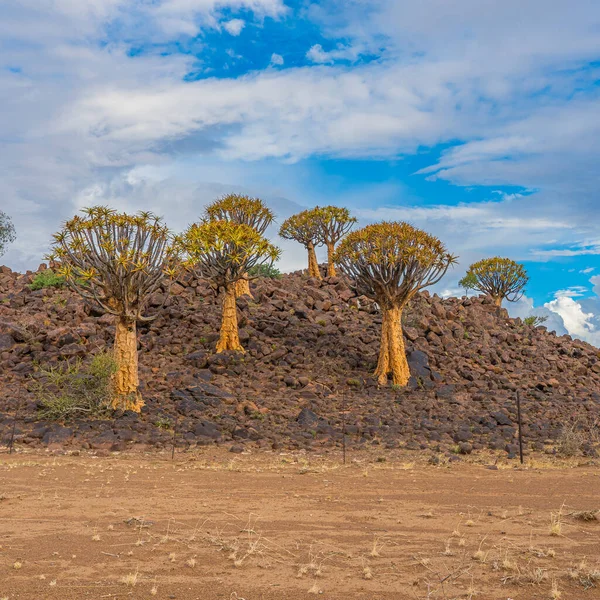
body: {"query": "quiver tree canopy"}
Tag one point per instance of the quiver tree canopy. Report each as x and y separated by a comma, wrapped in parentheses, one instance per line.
(497, 277)
(242, 210)
(7, 231)
(222, 252)
(390, 263)
(302, 228)
(117, 261)
(332, 224)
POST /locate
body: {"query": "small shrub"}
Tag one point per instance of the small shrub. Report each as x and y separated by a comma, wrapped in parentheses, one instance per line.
(266, 270)
(534, 320)
(570, 440)
(163, 423)
(47, 279)
(76, 389)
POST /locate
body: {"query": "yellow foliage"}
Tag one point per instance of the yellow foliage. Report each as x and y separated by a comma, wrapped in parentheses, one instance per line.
(498, 277)
(115, 259)
(301, 227)
(390, 261)
(224, 250)
(242, 210)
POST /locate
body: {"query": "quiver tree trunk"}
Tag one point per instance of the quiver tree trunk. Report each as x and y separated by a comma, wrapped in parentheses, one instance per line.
(313, 265)
(229, 338)
(497, 301)
(126, 379)
(392, 354)
(242, 286)
(330, 263)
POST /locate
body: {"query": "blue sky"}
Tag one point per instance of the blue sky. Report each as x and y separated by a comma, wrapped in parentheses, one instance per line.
(476, 120)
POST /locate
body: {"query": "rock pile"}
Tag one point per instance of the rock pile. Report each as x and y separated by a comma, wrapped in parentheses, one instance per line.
(306, 376)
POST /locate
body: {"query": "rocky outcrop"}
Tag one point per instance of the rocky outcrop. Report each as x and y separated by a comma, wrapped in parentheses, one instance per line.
(306, 376)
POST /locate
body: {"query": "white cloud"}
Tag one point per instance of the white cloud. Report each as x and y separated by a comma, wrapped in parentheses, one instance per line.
(156, 21)
(582, 249)
(316, 54)
(276, 59)
(575, 291)
(577, 322)
(235, 26)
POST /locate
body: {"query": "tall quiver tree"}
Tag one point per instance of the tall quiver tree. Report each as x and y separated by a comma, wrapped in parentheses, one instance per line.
(7, 231)
(332, 223)
(242, 210)
(117, 261)
(302, 228)
(390, 263)
(222, 252)
(500, 278)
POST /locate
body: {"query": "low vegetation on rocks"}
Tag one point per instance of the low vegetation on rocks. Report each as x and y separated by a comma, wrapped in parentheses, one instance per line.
(74, 389)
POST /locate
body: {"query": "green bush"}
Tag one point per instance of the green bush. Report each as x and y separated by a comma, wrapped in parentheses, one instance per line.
(534, 320)
(270, 271)
(163, 423)
(47, 279)
(76, 389)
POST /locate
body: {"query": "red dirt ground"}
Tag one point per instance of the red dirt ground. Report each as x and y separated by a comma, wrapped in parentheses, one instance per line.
(211, 525)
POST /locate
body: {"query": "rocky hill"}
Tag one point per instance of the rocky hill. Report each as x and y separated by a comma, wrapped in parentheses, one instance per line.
(306, 376)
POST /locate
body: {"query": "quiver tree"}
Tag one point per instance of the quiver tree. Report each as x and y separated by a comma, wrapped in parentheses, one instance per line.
(302, 228)
(332, 224)
(117, 261)
(7, 231)
(241, 210)
(222, 252)
(390, 263)
(497, 277)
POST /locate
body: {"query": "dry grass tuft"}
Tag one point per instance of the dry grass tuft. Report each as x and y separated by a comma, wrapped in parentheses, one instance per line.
(508, 564)
(377, 547)
(130, 580)
(584, 575)
(585, 515)
(556, 522)
(480, 556)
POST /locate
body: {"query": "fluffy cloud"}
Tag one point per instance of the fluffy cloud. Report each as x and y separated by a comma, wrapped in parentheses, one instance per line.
(316, 54)
(577, 322)
(234, 27)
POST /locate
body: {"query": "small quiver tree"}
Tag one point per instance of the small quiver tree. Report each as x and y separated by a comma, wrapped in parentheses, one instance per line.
(7, 231)
(222, 252)
(302, 228)
(500, 278)
(117, 261)
(390, 263)
(242, 210)
(332, 224)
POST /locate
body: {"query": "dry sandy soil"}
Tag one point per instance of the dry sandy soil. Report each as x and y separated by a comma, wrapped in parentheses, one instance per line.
(213, 525)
